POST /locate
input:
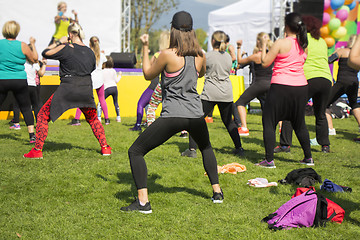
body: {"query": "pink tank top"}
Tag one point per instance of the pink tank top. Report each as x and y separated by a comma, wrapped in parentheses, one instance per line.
(288, 67)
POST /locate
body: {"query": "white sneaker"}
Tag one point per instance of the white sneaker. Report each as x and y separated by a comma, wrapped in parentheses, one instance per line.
(332, 131)
(99, 119)
(118, 119)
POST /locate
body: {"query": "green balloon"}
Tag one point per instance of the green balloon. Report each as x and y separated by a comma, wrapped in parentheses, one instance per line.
(334, 24)
(345, 7)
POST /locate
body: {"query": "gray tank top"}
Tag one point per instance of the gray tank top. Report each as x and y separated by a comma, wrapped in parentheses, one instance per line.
(180, 98)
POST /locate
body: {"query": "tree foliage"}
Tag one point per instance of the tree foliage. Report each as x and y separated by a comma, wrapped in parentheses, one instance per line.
(144, 13)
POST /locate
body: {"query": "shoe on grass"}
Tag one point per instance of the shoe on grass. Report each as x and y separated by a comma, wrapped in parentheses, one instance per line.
(279, 149)
(75, 122)
(135, 128)
(307, 161)
(136, 206)
(35, 154)
(266, 164)
(15, 126)
(314, 142)
(332, 131)
(107, 121)
(106, 150)
(243, 131)
(189, 153)
(118, 119)
(239, 151)
(325, 149)
(183, 134)
(32, 139)
(218, 197)
(209, 120)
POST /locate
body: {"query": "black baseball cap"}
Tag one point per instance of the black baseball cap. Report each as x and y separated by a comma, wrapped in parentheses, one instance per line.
(182, 21)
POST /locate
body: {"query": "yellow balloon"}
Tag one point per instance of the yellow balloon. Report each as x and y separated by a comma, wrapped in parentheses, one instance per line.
(330, 41)
(339, 33)
(347, 2)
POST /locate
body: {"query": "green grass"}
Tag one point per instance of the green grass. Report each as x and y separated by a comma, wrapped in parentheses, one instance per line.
(75, 193)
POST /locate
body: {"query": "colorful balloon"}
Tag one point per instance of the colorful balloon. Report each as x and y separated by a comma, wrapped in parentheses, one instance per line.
(335, 4)
(326, 18)
(324, 31)
(326, 4)
(347, 2)
(345, 7)
(330, 41)
(342, 14)
(334, 24)
(352, 5)
(339, 33)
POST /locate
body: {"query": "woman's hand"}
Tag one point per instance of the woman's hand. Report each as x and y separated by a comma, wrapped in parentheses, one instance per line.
(145, 39)
(32, 40)
(239, 43)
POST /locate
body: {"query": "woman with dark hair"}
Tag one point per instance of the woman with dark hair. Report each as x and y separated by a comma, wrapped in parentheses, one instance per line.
(287, 97)
(347, 82)
(75, 90)
(180, 66)
(318, 75)
(218, 91)
(13, 55)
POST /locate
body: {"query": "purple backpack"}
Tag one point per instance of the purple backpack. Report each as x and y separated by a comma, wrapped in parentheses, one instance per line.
(306, 210)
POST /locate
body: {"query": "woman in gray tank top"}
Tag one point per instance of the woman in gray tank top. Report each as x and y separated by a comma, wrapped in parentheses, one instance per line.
(180, 66)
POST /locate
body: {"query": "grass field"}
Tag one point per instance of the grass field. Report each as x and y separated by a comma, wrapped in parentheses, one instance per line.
(75, 193)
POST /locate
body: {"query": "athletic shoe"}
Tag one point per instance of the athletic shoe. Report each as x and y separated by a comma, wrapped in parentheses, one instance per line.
(307, 161)
(35, 154)
(243, 131)
(16, 126)
(135, 128)
(118, 119)
(107, 121)
(99, 118)
(325, 149)
(75, 122)
(218, 197)
(135, 206)
(106, 150)
(189, 153)
(357, 140)
(266, 164)
(278, 149)
(239, 151)
(314, 142)
(32, 139)
(183, 134)
(209, 120)
(332, 131)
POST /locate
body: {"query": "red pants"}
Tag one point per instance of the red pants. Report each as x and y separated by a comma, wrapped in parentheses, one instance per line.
(43, 119)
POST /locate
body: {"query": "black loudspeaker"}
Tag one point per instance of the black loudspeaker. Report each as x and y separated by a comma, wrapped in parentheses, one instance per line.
(310, 7)
(123, 60)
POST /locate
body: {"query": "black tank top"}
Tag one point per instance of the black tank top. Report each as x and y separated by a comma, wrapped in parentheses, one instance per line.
(346, 73)
(261, 73)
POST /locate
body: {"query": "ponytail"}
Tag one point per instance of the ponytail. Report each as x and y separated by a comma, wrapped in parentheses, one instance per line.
(219, 40)
(295, 24)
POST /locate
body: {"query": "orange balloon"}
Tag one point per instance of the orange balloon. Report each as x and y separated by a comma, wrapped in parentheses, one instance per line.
(330, 41)
(324, 31)
(329, 10)
(347, 2)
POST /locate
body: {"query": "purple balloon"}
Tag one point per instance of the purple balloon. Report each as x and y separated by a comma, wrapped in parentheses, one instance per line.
(326, 18)
(326, 4)
(342, 14)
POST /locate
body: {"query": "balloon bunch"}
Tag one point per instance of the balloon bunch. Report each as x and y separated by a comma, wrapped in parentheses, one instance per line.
(334, 19)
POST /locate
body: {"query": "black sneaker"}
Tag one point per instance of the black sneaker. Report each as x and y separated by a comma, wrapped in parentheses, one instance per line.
(218, 197)
(75, 122)
(239, 151)
(325, 149)
(107, 121)
(282, 149)
(183, 135)
(307, 161)
(135, 206)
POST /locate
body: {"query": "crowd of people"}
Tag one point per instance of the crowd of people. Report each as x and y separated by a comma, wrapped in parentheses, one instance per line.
(286, 74)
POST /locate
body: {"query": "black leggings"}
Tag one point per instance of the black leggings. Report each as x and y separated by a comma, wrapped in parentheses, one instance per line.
(158, 133)
(285, 103)
(257, 90)
(319, 91)
(349, 88)
(226, 111)
(35, 102)
(112, 91)
(19, 88)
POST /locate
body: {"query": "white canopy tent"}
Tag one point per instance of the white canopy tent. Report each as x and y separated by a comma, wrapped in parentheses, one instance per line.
(242, 20)
(36, 18)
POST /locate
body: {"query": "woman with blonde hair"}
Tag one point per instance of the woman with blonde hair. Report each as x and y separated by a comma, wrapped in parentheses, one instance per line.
(180, 66)
(261, 79)
(97, 81)
(347, 83)
(75, 90)
(13, 55)
(218, 91)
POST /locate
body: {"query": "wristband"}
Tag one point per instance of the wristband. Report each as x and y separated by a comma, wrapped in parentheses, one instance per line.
(58, 43)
